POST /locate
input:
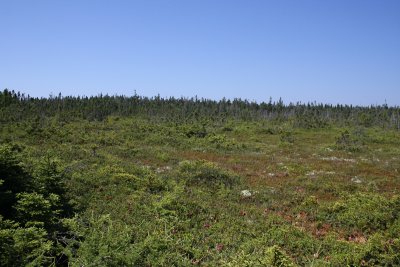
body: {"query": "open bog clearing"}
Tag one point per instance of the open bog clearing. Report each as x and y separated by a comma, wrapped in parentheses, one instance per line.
(154, 186)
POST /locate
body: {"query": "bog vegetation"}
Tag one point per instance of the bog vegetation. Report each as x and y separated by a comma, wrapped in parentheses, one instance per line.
(135, 181)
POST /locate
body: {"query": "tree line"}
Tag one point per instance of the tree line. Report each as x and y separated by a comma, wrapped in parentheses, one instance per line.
(16, 106)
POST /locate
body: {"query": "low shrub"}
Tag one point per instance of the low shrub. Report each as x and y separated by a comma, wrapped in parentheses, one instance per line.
(364, 211)
(21, 246)
(222, 142)
(351, 141)
(287, 137)
(262, 256)
(208, 173)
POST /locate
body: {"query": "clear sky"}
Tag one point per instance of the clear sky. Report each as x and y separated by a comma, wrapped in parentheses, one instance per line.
(331, 51)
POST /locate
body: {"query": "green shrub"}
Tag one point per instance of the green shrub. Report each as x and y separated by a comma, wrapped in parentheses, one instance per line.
(198, 131)
(24, 246)
(140, 179)
(208, 173)
(125, 179)
(364, 211)
(257, 254)
(220, 141)
(287, 137)
(15, 179)
(105, 243)
(377, 251)
(309, 205)
(33, 202)
(35, 209)
(271, 130)
(352, 141)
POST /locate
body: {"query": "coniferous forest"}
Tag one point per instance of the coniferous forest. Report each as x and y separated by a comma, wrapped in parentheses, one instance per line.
(137, 181)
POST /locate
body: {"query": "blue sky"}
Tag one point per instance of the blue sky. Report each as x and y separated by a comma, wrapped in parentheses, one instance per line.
(333, 51)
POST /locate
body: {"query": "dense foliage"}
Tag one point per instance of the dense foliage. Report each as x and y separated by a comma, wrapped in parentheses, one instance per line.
(135, 181)
(33, 204)
(16, 107)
